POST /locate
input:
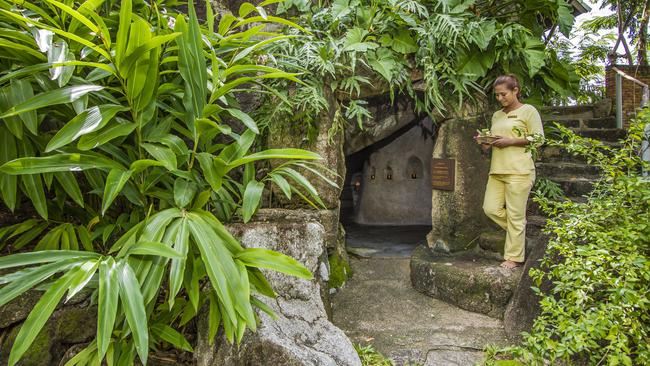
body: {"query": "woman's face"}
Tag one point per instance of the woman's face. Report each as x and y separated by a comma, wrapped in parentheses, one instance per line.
(505, 96)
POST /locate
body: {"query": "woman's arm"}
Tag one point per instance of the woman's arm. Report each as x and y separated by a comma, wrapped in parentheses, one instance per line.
(510, 141)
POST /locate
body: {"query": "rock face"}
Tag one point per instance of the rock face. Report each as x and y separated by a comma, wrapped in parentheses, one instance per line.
(68, 326)
(302, 334)
(387, 119)
(457, 216)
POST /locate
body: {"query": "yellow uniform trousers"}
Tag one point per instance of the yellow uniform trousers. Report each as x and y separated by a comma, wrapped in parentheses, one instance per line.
(506, 196)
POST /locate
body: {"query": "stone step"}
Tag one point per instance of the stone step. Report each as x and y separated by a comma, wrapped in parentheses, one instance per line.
(602, 122)
(574, 186)
(551, 168)
(554, 153)
(571, 123)
(603, 134)
(465, 280)
(584, 123)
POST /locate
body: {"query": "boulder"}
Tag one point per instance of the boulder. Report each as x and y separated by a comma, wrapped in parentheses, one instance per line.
(302, 333)
(67, 326)
(457, 216)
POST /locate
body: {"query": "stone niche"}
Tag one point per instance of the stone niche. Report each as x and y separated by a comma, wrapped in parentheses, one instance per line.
(389, 182)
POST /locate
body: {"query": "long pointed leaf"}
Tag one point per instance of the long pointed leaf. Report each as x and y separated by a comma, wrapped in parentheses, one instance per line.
(58, 163)
(115, 181)
(133, 305)
(88, 121)
(107, 304)
(39, 315)
(52, 97)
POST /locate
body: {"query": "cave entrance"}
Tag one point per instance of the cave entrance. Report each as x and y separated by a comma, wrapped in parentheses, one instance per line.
(386, 199)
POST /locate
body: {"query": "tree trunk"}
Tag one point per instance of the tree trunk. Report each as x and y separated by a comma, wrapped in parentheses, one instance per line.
(642, 51)
(621, 32)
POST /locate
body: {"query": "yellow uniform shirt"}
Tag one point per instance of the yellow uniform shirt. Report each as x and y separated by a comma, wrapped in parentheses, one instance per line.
(520, 123)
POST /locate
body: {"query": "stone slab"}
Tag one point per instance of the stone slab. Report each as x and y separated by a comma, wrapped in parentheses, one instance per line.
(467, 281)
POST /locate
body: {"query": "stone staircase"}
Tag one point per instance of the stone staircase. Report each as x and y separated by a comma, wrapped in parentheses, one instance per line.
(472, 280)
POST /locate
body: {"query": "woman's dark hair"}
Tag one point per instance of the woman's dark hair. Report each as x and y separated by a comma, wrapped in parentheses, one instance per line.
(510, 81)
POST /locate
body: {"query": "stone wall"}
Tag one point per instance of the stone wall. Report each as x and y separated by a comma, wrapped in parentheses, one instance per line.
(457, 216)
(632, 93)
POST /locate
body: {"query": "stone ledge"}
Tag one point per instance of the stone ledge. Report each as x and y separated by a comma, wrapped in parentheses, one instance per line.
(467, 281)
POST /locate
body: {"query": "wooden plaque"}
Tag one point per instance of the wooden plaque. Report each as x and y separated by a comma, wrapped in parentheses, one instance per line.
(443, 174)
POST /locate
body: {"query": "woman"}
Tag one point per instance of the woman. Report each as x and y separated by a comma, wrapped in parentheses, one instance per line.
(512, 170)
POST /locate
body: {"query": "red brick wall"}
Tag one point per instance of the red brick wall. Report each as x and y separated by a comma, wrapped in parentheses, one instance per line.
(632, 92)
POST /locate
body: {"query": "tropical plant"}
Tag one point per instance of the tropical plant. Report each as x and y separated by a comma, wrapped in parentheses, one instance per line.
(596, 308)
(121, 126)
(357, 49)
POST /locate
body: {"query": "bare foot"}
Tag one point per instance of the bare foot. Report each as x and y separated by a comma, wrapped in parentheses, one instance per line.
(511, 264)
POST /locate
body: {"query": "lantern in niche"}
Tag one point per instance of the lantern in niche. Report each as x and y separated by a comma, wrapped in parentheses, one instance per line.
(389, 173)
(414, 168)
(372, 172)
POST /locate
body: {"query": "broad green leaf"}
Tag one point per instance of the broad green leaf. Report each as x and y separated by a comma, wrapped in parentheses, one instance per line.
(282, 183)
(133, 305)
(57, 54)
(58, 163)
(123, 31)
(8, 183)
(276, 154)
(95, 139)
(252, 197)
(69, 184)
(184, 192)
(162, 154)
(264, 258)
(58, 31)
(214, 317)
(245, 118)
(106, 303)
(88, 270)
(270, 19)
(50, 98)
(46, 256)
(17, 47)
(210, 172)
(22, 91)
(153, 248)
(35, 191)
(191, 64)
(75, 14)
(26, 279)
(170, 335)
(13, 124)
(88, 121)
(29, 236)
(218, 262)
(115, 181)
(177, 268)
(39, 315)
(126, 67)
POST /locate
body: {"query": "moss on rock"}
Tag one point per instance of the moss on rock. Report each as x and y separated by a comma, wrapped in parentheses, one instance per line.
(340, 270)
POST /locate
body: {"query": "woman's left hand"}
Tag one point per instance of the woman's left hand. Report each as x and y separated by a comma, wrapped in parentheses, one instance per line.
(502, 142)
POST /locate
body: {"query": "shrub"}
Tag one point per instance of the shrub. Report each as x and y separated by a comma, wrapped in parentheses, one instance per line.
(597, 310)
